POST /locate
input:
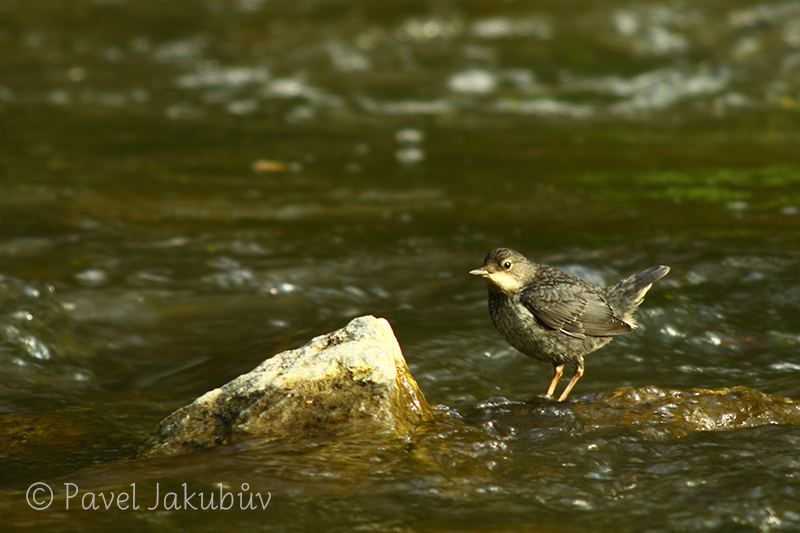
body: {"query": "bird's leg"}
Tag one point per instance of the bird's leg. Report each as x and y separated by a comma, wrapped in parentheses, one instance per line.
(575, 377)
(557, 371)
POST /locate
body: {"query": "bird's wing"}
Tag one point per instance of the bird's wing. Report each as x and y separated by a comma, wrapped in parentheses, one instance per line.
(573, 310)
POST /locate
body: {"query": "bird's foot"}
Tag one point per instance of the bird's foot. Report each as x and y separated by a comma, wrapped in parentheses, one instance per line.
(544, 397)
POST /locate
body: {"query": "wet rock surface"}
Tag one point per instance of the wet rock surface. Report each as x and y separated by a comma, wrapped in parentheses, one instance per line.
(651, 412)
(355, 381)
(351, 381)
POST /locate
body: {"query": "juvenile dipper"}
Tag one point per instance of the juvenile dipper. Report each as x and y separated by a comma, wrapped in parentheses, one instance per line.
(554, 317)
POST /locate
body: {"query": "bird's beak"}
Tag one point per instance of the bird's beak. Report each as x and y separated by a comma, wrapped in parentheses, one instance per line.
(479, 272)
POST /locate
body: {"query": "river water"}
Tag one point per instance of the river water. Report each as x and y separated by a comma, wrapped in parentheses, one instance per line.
(187, 188)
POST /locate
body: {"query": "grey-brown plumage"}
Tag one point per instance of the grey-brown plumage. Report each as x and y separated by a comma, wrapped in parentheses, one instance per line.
(552, 316)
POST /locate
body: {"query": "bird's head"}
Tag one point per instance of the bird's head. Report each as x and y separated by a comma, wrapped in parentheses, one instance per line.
(506, 270)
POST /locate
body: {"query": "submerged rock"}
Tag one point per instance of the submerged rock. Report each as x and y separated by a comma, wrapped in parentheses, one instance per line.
(677, 413)
(650, 411)
(354, 380)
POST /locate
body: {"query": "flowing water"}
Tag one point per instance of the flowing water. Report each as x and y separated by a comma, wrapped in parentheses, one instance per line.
(187, 188)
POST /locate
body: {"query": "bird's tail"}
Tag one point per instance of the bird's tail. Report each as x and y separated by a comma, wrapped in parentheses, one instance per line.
(626, 296)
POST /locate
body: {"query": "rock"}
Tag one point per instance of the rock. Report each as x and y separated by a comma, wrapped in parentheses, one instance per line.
(354, 380)
(675, 413)
(650, 411)
(354, 383)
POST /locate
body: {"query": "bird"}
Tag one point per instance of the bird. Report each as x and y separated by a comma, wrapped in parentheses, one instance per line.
(555, 317)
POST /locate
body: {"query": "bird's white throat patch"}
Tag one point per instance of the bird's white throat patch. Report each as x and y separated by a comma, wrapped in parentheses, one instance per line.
(505, 282)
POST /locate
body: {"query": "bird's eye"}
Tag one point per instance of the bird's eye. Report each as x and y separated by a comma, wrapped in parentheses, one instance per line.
(507, 265)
